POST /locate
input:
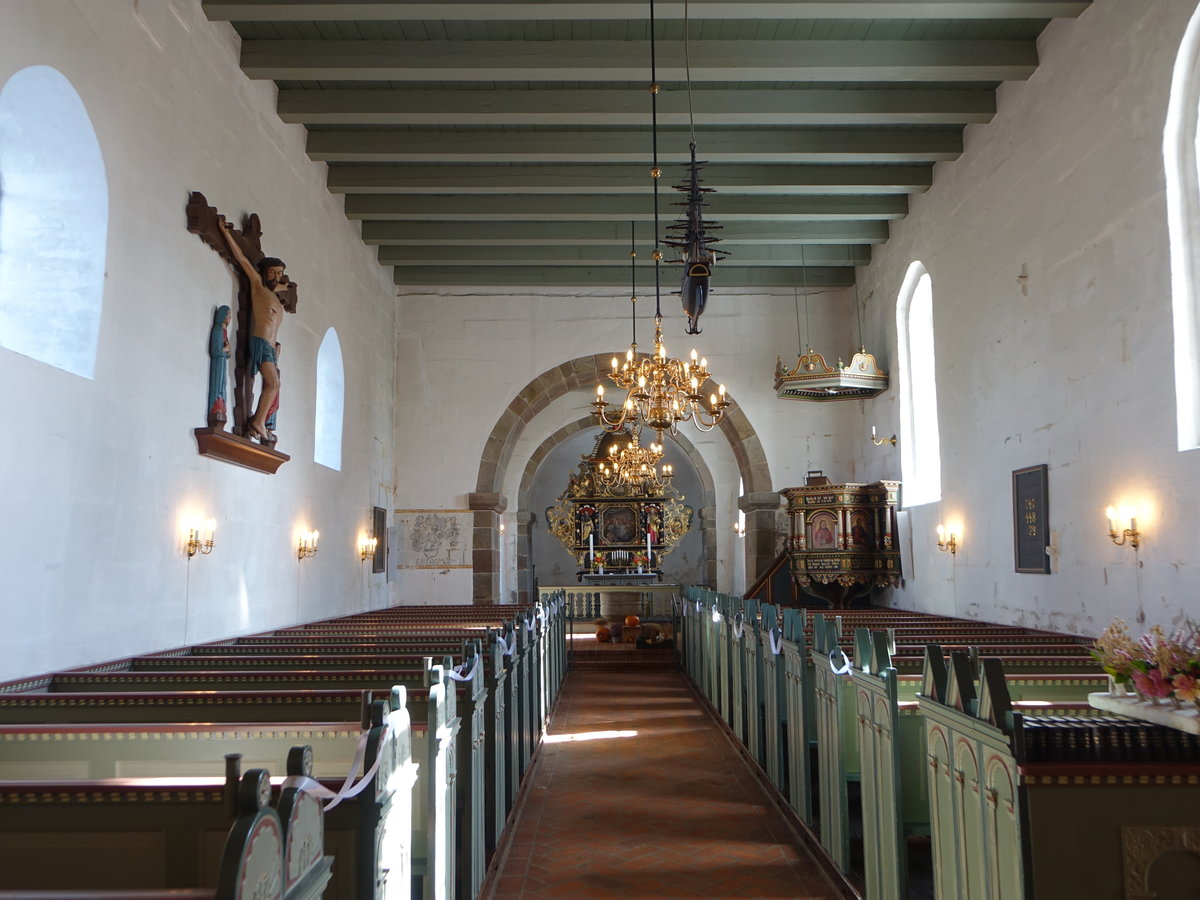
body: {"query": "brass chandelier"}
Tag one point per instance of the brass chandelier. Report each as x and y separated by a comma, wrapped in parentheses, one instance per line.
(660, 391)
(634, 467)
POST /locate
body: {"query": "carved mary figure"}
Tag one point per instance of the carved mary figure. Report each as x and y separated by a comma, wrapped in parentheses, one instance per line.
(218, 355)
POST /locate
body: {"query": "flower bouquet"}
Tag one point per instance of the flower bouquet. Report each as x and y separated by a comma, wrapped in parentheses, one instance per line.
(1157, 666)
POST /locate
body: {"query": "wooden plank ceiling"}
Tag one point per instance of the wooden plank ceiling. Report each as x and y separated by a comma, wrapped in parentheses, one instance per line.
(494, 143)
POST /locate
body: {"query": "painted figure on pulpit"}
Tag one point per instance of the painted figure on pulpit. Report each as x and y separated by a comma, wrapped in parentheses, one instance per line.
(860, 536)
(823, 537)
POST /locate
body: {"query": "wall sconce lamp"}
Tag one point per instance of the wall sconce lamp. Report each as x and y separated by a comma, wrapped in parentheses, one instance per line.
(200, 539)
(366, 547)
(739, 528)
(502, 528)
(877, 441)
(1120, 535)
(308, 544)
(948, 539)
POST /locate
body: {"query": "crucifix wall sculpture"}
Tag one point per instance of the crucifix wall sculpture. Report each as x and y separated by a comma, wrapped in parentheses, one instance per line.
(264, 294)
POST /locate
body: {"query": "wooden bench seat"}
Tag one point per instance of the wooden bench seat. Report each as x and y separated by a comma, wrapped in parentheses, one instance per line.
(184, 706)
(354, 828)
(145, 838)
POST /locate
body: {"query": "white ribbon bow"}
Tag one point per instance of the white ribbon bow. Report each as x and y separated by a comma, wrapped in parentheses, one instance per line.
(349, 787)
(844, 667)
(509, 645)
(456, 673)
(739, 625)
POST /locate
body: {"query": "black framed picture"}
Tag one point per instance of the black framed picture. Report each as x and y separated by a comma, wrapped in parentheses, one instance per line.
(379, 532)
(1031, 523)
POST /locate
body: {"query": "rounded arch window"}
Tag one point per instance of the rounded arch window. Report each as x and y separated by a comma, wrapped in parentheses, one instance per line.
(53, 222)
(331, 398)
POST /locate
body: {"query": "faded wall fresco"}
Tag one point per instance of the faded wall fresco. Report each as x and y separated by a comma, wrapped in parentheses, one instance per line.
(433, 538)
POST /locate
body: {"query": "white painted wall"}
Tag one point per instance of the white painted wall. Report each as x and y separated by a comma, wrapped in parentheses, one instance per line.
(1070, 366)
(97, 476)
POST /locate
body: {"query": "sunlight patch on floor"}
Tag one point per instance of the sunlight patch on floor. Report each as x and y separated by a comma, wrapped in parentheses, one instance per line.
(587, 736)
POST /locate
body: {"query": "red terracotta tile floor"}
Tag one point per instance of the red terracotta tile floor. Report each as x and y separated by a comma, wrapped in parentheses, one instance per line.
(638, 793)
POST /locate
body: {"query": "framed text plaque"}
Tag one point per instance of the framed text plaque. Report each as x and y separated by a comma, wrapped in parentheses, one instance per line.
(1031, 531)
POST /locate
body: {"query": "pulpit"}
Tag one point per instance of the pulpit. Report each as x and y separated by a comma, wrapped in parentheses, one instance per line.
(842, 538)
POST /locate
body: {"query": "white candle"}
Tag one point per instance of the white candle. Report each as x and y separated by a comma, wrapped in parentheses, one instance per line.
(591, 546)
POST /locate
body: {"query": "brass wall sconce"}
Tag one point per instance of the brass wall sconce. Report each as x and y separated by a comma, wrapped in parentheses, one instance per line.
(366, 547)
(200, 539)
(739, 528)
(308, 544)
(877, 441)
(1122, 535)
(948, 538)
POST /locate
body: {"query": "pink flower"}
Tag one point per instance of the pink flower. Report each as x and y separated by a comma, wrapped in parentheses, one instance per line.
(1152, 683)
(1186, 687)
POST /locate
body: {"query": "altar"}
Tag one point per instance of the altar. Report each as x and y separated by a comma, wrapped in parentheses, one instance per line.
(619, 523)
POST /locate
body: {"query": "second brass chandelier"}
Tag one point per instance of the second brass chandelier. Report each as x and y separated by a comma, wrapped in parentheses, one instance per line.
(660, 391)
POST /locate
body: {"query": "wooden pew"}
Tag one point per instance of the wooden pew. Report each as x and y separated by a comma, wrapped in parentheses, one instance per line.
(199, 838)
(891, 737)
(1005, 816)
(223, 666)
(356, 828)
(793, 699)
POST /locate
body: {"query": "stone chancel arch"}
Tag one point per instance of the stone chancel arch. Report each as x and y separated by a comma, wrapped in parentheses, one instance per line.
(584, 373)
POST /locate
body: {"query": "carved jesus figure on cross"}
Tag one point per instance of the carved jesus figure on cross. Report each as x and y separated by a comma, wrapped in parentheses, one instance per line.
(266, 282)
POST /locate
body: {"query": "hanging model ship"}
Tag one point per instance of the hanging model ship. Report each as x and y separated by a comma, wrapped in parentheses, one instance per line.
(694, 243)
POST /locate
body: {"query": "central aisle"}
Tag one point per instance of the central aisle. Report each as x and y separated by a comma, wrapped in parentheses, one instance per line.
(638, 793)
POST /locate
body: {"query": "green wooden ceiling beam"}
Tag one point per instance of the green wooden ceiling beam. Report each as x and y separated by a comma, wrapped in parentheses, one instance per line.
(615, 234)
(624, 179)
(622, 108)
(543, 10)
(830, 145)
(583, 61)
(601, 276)
(614, 256)
(517, 208)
